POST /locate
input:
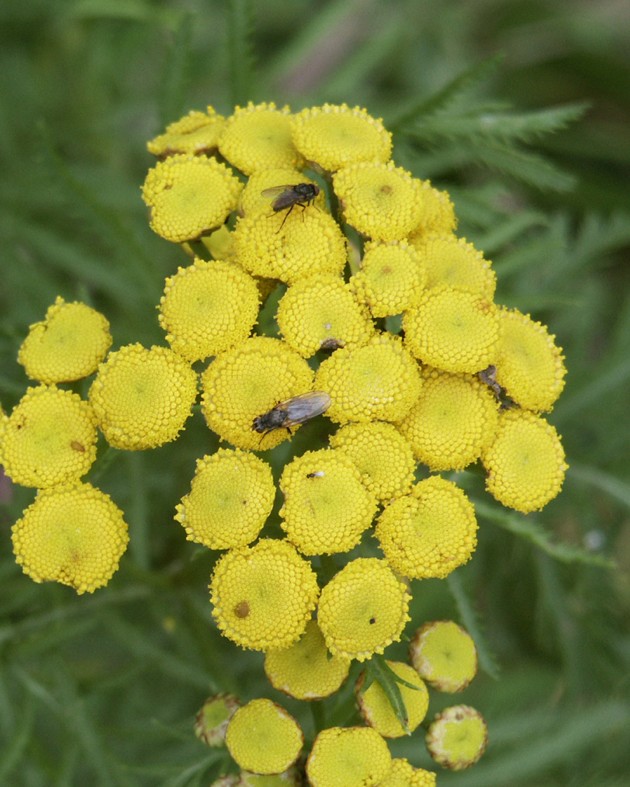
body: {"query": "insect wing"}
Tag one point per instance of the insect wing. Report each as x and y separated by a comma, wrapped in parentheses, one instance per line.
(306, 406)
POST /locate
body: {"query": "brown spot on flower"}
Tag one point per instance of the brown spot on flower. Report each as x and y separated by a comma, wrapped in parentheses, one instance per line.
(77, 446)
(241, 610)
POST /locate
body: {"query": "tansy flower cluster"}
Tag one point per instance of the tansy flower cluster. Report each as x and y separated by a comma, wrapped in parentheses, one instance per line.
(379, 318)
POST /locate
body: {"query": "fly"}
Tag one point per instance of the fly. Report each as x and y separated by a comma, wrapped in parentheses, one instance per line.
(292, 412)
(302, 194)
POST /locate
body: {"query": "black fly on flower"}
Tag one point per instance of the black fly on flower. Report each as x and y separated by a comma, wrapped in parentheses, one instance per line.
(302, 194)
(292, 412)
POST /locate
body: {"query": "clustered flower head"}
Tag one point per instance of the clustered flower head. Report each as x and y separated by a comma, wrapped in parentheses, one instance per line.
(327, 292)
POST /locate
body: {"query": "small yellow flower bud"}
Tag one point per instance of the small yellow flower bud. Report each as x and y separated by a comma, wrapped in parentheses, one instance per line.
(444, 654)
(376, 709)
(347, 757)
(212, 720)
(457, 737)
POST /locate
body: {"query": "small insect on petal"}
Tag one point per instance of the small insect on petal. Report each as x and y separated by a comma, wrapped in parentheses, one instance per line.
(302, 194)
(292, 412)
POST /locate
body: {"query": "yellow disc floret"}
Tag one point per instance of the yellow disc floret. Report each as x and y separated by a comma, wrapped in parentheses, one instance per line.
(326, 507)
(529, 364)
(258, 136)
(454, 262)
(379, 381)
(49, 438)
(196, 132)
(263, 596)
(444, 654)
(142, 397)
(291, 247)
(189, 196)
(333, 136)
(453, 420)
(430, 532)
(525, 463)
(391, 278)
(453, 330)
(382, 455)
(306, 670)
(263, 737)
(457, 737)
(363, 609)
(321, 311)
(208, 308)
(67, 345)
(71, 534)
(247, 382)
(377, 710)
(230, 498)
(403, 774)
(381, 201)
(438, 214)
(348, 757)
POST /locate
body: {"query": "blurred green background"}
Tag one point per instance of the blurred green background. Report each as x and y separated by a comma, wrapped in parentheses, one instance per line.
(103, 689)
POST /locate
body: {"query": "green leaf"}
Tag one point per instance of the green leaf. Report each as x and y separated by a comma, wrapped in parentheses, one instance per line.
(379, 670)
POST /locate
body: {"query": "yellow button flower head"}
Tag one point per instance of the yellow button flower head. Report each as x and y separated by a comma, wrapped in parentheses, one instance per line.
(196, 132)
(321, 310)
(306, 670)
(381, 201)
(71, 534)
(333, 136)
(258, 136)
(347, 757)
(382, 455)
(438, 214)
(67, 345)
(391, 278)
(264, 595)
(444, 654)
(453, 330)
(453, 420)
(207, 308)
(248, 381)
(430, 532)
(458, 264)
(189, 196)
(457, 737)
(376, 709)
(379, 381)
(142, 397)
(254, 200)
(363, 609)
(230, 498)
(308, 242)
(263, 737)
(403, 774)
(525, 463)
(529, 364)
(49, 438)
(212, 719)
(326, 507)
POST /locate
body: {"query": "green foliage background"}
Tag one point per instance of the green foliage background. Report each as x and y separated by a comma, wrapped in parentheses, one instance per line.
(102, 689)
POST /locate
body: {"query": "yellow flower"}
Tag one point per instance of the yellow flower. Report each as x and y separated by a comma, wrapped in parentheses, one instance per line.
(326, 507)
(230, 498)
(253, 200)
(68, 344)
(259, 137)
(248, 381)
(207, 308)
(219, 243)
(143, 397)
(196, 132)
(381, 201)
(454, 262)
(377, 711)
(189, 196)
(333, 136)
(391, 278)
(308, 242)
(430, 532)
(438, 214)
(453, 420)
(457, 737)
(306, 670)
(212, 720)
(529, 364)
(453, 330)
(322, 311)
(402, 774)
(363, 609)
(263, 737)
(379, 381)
(382, 455)
(444, 654)
(525, 463)
(49, 438)
(263, 596)
(347, 757)
(71, 534)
